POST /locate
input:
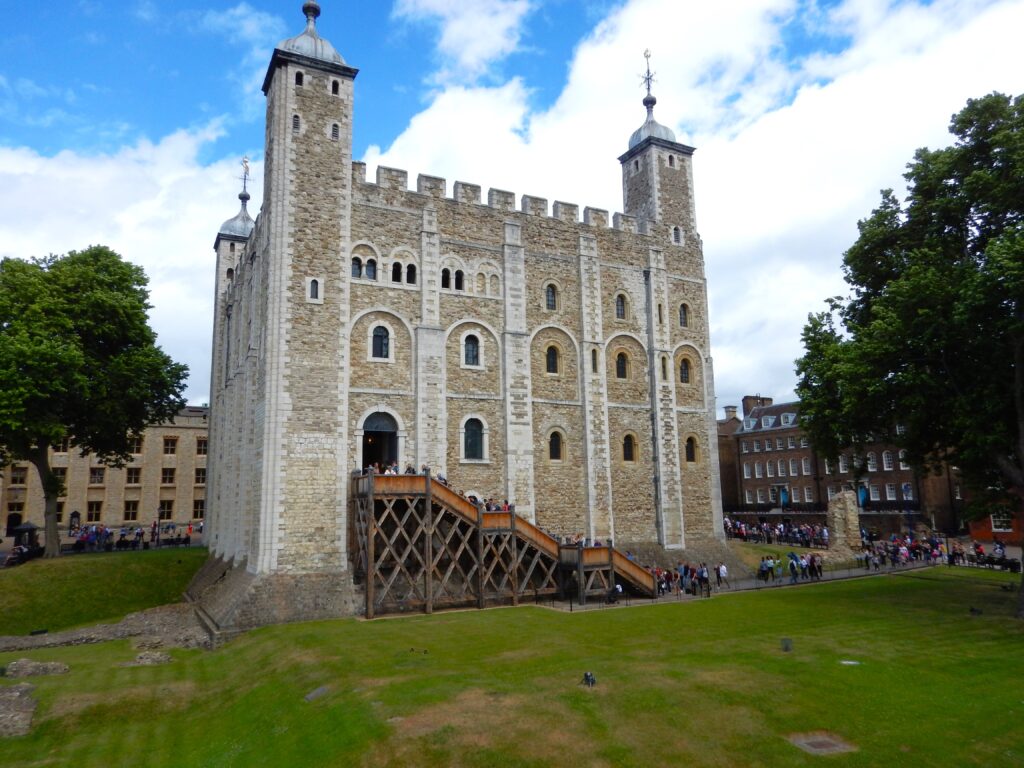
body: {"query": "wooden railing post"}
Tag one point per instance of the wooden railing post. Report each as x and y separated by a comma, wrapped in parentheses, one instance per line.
(480, 554)
(428, 547)
(581, 574)
(371, 534)
(611, 571)
(515, 559)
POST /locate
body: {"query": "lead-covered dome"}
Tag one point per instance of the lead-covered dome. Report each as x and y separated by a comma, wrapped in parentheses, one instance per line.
(309, 43)
(241, 224)
(651, 127)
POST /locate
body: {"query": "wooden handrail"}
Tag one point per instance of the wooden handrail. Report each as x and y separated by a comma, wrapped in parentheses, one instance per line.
(634, 572)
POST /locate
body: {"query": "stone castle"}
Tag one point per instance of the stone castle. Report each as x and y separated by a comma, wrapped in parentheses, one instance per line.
(527, 355)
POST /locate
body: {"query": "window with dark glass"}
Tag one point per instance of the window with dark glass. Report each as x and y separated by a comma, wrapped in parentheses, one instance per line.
(472, 350)
(620, 307)
(97, 475)
(371, 269)
(684, 316)
(621, 366)
(473, 447)
(135, 445)
(691, 449)
(396, 272)
(684, 371)
(410, 274)
(381, 342)
(199, 509)
(357, 267)
(459, 280)
(628, 448)
(167, 476)
(200, 475)
(555, 446)
(552, 359)
(133, 476)
(446, 278)
(314, 289)
(551, 297)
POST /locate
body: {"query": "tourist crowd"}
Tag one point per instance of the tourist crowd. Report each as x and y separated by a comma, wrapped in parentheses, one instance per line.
(794, 534)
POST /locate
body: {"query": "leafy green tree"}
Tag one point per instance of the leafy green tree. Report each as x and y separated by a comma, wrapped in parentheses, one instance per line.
(78, 360)
(932, 333)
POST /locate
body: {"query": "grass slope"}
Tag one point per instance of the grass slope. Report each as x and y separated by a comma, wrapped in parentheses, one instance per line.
(75, 590)
(680, 684)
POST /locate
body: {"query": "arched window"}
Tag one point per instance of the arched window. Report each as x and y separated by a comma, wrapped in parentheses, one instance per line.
(381, 342)
(335, 132)
(494, 286)
(481, 284)
(629, 448)
(459, 278)
(621, 365)
(446, 278)
(677, 235)
(664, 368)
(357, 267)
(472, 354)
(410, 274)
(620, 307)
(691, 450)
(671, 161)
(371, 269)
(396, 272)
(298, 78)
(314, 289)
(593, 360)
(335, 88)
(295, 123)
(684, 316)
(872, 462)
(552, 359)
(661, 316)
(887, 460)
(551, 297)
(555, 446)
(684, 371)
(473, 439)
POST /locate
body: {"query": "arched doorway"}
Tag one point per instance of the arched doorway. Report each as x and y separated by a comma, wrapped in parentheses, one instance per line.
(380, 439)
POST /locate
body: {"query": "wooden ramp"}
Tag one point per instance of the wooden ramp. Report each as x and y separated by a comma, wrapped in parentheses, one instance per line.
(421, 546)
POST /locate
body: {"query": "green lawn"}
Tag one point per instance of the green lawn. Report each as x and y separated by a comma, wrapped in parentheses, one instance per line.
(699, 683)
(73, 590)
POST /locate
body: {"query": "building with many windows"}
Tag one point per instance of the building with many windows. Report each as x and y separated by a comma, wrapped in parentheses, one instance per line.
(165, 480)
(772, 466)
(526, 353)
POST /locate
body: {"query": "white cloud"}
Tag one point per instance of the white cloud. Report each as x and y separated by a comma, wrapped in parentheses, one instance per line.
(791, 151)
(149, 202)
(473, 35)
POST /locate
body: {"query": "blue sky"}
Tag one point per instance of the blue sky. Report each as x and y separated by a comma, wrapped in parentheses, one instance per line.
(123, 123)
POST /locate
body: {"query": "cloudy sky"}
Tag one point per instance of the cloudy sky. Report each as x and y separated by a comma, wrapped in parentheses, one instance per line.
(123, 123)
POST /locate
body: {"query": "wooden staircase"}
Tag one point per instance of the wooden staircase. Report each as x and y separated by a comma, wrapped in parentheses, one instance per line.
(420, 546)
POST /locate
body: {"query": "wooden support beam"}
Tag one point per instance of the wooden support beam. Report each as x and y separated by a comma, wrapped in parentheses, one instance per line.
(480, 554)
(371, 560)
(514, 565)
(428, 548)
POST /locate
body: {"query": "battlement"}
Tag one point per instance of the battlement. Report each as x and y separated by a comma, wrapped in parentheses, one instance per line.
(499, 199)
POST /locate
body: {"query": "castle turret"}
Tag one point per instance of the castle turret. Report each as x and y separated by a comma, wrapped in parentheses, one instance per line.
(657, 178)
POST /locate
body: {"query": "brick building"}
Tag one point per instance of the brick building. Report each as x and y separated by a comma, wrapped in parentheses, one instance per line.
(165, 480)
(562, 364)
(773, 467)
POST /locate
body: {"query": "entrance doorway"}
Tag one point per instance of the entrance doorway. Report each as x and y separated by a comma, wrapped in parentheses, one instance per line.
(380, 440)
(13, 521)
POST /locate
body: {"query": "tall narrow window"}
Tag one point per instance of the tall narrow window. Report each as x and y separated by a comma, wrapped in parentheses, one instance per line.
(552, 359)
(410, 274)
(684, 316)
(629, 448)
(691, 450)
(593, 360)
(459, 280)
(684, 371)
(335, 132)
(371, 269)
(381, 342)
(295, 123)
(677, 235)
(472, 356)
(621, 366)
(473, 441)
(661, 315)
(314, 289)
(664, 368)
(298, 78)
(396, 272)
(551, 297)
(671, 161)
(555, 446)
(620, 307)
(446, 278)
(335, 88)
(357, 267)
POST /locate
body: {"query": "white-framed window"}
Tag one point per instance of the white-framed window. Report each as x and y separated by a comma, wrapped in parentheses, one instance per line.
(473, 440)
(778, 443)
(767, 421)
(314, 290)
(748, 496)
(828, 467)
(768, 444)
(873, 493)
(890, 491)
(1002, 521)
(773, 494)
(791, 442)
(872, 462)
(380, 348)
(744, 447)
(908, 491)
(758, 470)
(746, 470)
(806, 465)
(794, 467)
(760, 496)
(887, 463)
(770, 468)
(749, 424)
(808, 494)
(782, 467)
(805, 443)
(843, 464)
(901, 429)
(957, 494)
(831, 492)
(787, 419)
(472, 350)
(903, 460)
(757, 446)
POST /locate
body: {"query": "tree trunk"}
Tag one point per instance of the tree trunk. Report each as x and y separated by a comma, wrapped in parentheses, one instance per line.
(40, 458)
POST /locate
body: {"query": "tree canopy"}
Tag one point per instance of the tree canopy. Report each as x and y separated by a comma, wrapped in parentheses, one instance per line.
(931, 336)
(78, 360)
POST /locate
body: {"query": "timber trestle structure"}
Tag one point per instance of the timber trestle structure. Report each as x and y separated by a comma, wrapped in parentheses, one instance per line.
(420, 546)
